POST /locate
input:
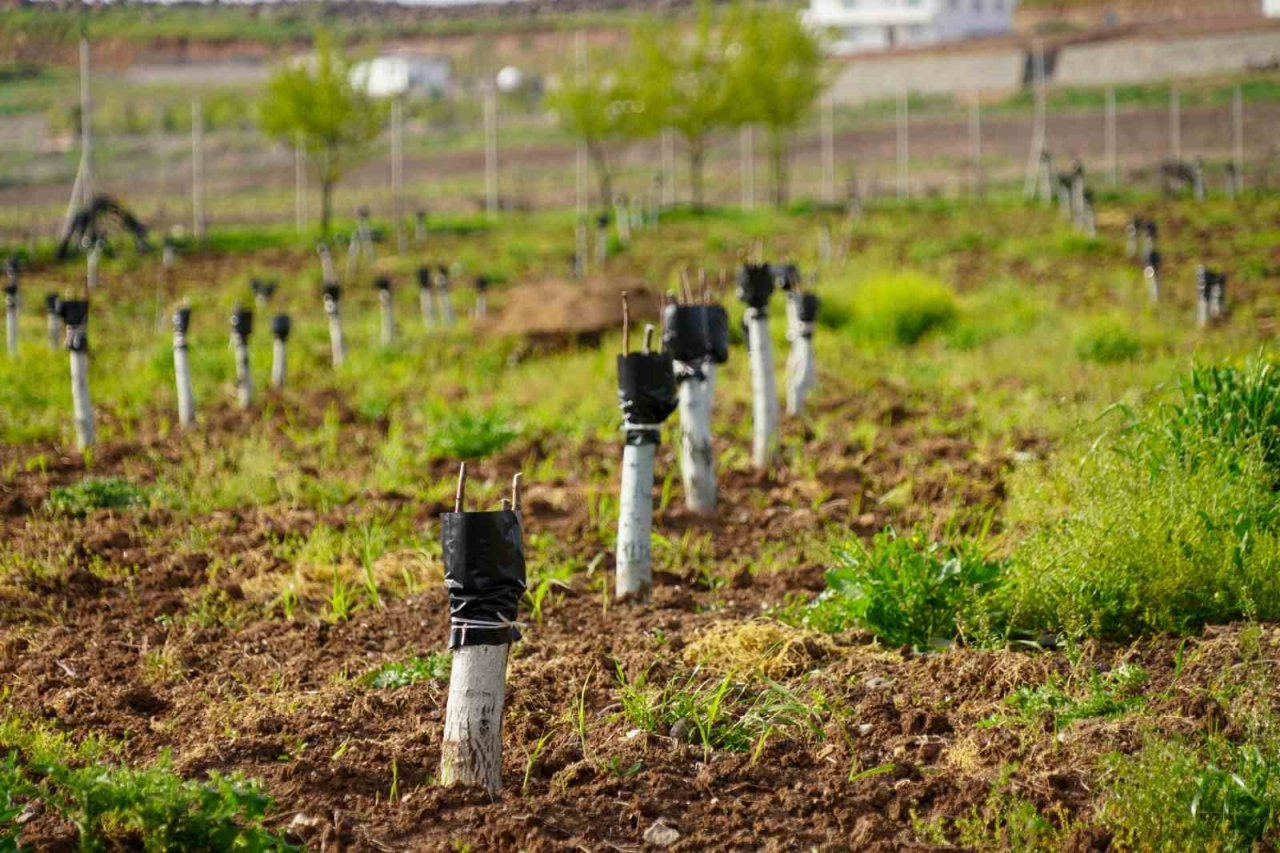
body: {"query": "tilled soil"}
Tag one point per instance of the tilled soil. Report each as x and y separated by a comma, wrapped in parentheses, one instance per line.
(899, 740)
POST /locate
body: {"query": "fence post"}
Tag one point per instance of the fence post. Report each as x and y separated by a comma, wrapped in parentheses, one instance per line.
(904, 146)
(828, 150)
(197, 169)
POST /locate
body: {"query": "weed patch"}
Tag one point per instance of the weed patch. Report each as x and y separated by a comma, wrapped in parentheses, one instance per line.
(397, 674)
(91, 493)
(905, 590)
(902, 308)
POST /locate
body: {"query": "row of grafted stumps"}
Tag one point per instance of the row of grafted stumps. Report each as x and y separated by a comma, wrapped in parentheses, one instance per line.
(654, 383)
(483, 552)
(1141, 236)
(67, 321)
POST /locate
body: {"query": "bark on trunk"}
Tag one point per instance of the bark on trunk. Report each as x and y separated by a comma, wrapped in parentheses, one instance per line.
(764, 395)
(635, 521)
(471, 753)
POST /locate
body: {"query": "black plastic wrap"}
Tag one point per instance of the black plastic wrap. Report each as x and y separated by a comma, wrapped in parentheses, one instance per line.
(260, 287)
(755, 285)
(684, 332)
(181, 321)
(807, 308)
(382, 283)
(51, 302)
(485, 574)
(332, 296)
(424, 278)
(281, 326)
(482, 283)
(242, 322)
(646, 393)
(75, 316)
(11, 295)
(718, 333)
(788, 275)
(1153, 259)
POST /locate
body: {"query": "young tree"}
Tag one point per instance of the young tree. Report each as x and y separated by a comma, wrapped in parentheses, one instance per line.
(683, 80)
(600, 110)
(316, 107)
(777, 75)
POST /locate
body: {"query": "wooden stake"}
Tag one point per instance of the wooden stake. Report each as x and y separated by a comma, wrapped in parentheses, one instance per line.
(626, 325)
(462, 488)
(515, 491)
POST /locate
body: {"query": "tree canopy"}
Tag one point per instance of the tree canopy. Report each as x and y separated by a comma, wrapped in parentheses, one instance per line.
(316, 107)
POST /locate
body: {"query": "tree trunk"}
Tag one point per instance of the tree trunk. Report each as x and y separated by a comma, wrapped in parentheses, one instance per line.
(697, 183)
(326, 207)
(600, 159)
(778, 166)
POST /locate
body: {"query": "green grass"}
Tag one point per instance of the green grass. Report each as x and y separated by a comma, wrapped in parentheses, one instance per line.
(1177, 795)
(1169, 522)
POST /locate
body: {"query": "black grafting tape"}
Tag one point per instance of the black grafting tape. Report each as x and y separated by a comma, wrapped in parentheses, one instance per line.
(684, 332)
(755, 285)
(74, 312)
(51, 301)
(242, 322)
(718, 333)
(332, 294)
(646, 393)
(75, 316)
(482, 283)
(382, 283)
(181, 321)
(11, 294)
(808, 308)
(485, 574)
(1153, 260)
(788, 275)
(424, 278)
(280, 326)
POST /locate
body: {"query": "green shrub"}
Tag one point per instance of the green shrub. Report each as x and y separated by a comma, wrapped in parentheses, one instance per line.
(905, 590)
(1174, 796)
(1172, 523)
(902, 308)
(80, 499)
(1108, 340)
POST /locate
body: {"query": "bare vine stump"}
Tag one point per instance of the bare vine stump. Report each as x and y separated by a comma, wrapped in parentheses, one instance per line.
(696, 456)
(635, 522)
(471, 753)
(764, 393)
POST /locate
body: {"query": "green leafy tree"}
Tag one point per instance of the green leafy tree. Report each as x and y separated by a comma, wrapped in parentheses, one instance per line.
(316, 106)
(684, 81)
(601, 111)
(777, 74)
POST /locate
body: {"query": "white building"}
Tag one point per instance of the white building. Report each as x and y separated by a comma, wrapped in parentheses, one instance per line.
(1271, 8)
(402, 73)
(855, 26)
